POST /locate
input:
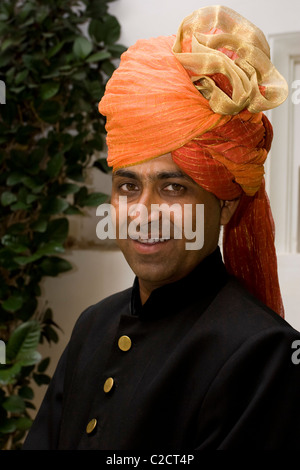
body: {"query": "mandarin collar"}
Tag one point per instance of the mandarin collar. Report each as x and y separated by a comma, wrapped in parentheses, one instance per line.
(201, 285)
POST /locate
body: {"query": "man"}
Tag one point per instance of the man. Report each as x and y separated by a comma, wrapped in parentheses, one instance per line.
(196, 356)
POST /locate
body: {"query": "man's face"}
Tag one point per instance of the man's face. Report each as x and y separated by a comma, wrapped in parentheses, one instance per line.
(161, 181)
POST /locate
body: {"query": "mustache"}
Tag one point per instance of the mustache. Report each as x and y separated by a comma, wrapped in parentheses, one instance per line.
(156, 225)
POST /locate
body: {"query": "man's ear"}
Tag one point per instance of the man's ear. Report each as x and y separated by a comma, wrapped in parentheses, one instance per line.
(228, 208)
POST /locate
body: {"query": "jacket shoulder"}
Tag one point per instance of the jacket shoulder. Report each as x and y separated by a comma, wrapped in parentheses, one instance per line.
(244, 312)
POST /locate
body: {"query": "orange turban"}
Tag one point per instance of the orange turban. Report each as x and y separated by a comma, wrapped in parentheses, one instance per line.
(200, 95)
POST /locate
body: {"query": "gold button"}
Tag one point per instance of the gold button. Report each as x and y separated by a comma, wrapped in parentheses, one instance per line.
(124, 343)
(91, 426)
(108, 384)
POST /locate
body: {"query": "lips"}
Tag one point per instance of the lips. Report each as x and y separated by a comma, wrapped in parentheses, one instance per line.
(151, 241)
(149, 246)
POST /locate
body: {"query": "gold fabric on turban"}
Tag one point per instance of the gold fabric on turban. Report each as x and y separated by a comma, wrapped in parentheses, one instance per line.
(219, 40)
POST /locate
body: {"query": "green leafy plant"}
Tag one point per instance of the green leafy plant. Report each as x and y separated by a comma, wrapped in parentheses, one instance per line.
(55, 58)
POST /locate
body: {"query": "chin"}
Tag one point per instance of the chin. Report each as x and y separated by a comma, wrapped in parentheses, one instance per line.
(154, 275)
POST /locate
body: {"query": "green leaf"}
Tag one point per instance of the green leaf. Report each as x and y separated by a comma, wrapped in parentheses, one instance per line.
(8, 426)
(6, 44)
(7, 198)
(20, 206)
(112, 29)
(95, 29)
(15, 243)
(23, 342)
(101, 163)
(26, 392)
(50, 248)
(6, 58)
(55, 49)
(23, 423)
(116, 50)
(7, 259)
(96, 8)
(41, 379)
(49, 111)
(31, 198)
(95, 89)
(48, 90)
(82, 47)
(72, 210)
(58, 230)
(98, 56)
(45, 249)
(28, 8)
(30, 358)
(55, 164)
(108, 67)
(21, 76)
(39, 226)
(105, 29)
(8, 374)
(14, 404)
(14, 178)
(55, 205)
(32, 183)
(68, 188)
(42, 13)
(94, 199)
(43, 365)
(23, 260)
(13, 303)
(53, 266)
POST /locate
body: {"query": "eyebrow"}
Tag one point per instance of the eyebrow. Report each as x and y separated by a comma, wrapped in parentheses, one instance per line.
(160, 175)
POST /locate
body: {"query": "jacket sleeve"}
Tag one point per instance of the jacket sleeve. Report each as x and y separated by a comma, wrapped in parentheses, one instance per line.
(44, 432)
(253, 403)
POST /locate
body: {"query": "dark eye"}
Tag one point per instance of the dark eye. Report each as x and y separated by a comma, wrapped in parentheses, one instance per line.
(128, 187)
(174, 188)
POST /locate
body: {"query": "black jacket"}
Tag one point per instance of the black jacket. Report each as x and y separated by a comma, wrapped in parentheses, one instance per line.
(209, 368)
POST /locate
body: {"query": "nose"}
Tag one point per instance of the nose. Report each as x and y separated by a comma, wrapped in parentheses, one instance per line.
(148, 196)
(141, 212)
(142, 206)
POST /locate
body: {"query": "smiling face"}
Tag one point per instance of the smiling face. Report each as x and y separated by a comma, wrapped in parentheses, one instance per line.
(161, 181)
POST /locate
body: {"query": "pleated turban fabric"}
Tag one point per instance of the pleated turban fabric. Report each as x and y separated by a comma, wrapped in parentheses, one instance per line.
(200, 95)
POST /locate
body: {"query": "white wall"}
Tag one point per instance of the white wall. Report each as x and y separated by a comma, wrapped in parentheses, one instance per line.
(144, 19)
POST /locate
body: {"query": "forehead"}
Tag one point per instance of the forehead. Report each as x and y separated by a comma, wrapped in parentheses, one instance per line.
(157, 168)
(164, 161)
